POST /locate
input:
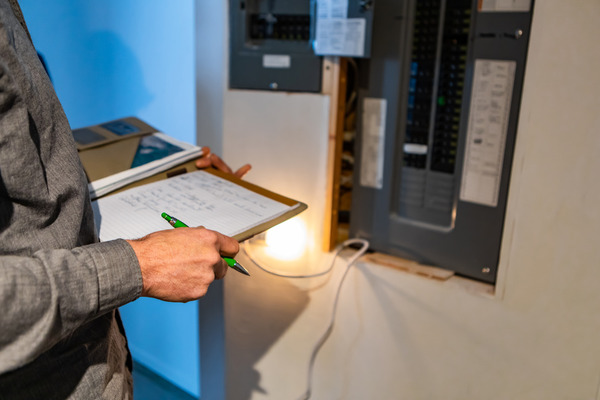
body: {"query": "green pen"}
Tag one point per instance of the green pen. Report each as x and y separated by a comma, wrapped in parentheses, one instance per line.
(175, 223)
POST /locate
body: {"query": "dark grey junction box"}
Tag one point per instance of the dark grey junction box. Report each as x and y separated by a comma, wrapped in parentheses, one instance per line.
(271, 47)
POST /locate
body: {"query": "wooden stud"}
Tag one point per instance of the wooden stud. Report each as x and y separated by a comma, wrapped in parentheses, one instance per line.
(334, 84)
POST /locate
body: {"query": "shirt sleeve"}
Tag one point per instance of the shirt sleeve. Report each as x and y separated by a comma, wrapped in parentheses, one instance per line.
(47, 296)
(54, 276)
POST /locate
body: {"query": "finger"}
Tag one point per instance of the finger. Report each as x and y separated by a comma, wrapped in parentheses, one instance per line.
(204, 161)
(227, 246)
(220, 164)
(243, 171)
(221, 269)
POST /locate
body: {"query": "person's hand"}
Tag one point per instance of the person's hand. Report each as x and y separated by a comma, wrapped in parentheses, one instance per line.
(212, 160)
(179, 264)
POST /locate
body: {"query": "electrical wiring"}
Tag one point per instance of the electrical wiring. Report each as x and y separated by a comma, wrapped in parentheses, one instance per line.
(323, 338)
(248, 252)
(353, 95)
(325, 335)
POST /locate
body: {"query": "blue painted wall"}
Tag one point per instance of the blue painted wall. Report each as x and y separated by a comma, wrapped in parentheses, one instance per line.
(110, 59)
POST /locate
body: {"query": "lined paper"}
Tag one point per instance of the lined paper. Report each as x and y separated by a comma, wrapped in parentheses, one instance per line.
(196, 198)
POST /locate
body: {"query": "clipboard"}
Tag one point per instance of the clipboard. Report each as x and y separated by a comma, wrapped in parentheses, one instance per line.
(206, 197)
(295, 206)
(122, 217)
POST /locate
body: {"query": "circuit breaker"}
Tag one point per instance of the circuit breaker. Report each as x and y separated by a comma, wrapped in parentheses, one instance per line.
(271, 46)
(439, 105)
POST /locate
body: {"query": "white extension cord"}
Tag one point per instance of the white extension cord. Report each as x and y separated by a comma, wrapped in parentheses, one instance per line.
(364, 246)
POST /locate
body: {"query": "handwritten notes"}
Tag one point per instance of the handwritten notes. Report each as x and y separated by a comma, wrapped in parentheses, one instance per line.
(197, 198)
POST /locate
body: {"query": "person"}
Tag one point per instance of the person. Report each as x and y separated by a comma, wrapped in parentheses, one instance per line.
(60, 288)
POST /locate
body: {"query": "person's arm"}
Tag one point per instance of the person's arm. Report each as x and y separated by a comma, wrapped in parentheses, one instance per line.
(48, 295)
(45, 295)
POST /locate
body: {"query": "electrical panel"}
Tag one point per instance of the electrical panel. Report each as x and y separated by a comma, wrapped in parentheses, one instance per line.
(278, 44)
(438, 108)
(271, 46)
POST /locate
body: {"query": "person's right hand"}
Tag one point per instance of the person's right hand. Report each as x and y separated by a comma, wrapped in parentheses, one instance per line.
(179, 264)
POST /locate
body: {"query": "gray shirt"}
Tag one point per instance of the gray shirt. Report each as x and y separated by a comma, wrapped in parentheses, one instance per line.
(59, 287)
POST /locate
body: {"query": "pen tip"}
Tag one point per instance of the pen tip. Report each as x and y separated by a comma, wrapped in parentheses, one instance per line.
(242, 269)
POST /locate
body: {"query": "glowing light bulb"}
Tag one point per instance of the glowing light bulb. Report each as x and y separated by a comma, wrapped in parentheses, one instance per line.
(287, 241)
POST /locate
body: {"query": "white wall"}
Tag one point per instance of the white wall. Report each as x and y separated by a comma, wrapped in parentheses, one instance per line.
(211, 71)
(402, 336)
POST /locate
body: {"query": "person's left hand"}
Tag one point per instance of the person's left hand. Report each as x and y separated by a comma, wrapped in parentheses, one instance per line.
(209, 159)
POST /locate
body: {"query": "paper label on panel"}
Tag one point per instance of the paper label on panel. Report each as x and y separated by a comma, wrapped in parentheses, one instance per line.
(336, 34)
(373, 138)
(486, 132)
(505, 5)
(327, 9)
(341, 37)
(276, 61)
(414, 148)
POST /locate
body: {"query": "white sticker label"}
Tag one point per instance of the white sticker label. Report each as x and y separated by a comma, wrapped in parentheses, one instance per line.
(336, 35)
(341, 37)
(332, 9)
(276, 61)
(505, 5)
(413, 148)
(373, 138)
(486, 132)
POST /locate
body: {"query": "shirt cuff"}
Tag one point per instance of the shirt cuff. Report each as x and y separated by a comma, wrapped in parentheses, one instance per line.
(119, 274)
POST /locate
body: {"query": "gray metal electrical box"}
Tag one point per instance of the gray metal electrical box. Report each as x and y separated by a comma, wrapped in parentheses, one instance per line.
(271, 46)
(439, 104)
